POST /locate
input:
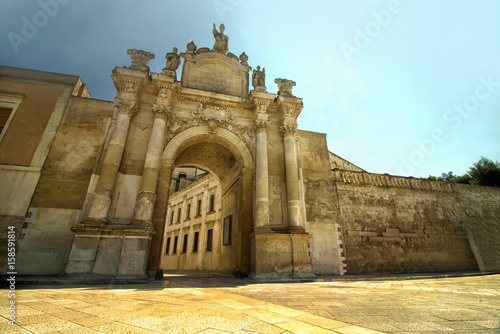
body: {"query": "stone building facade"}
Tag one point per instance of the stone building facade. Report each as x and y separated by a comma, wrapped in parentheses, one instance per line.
(88, 184)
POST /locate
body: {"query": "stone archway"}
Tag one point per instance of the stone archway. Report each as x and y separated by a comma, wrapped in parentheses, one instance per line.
(226, 156)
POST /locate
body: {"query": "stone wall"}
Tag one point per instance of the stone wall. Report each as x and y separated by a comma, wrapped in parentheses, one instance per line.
(481, 217)
(60, 194)
(396, 224)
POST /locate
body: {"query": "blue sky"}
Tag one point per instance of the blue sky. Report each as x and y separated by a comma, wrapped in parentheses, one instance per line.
(408, 87)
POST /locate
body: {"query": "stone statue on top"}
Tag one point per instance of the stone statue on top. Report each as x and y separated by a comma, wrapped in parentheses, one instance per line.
(259, 78)
(173, 60)
(220, 40)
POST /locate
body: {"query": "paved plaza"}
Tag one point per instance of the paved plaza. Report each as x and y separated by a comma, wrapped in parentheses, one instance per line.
(210, 303)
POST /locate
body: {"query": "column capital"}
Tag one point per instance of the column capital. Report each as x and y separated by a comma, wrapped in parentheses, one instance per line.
(126, 107)
(288, 129)
(161, 111)
(261, 125)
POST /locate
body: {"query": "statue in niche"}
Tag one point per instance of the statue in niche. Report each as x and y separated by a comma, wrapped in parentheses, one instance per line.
(259, 77)
(173, 60)
(220, 40)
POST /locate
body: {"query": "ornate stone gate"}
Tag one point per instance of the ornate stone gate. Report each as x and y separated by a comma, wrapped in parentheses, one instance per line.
(209, 118)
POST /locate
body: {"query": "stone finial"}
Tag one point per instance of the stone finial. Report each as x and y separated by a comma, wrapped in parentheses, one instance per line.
(191, 48)
(259, 79)
(140, 59)
(221, 40)
(285, 86)
(244, 58)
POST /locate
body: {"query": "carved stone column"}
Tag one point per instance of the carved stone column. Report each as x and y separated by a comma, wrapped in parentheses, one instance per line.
(101, 201)
(261, 177)
(146, 197)
(288, 130)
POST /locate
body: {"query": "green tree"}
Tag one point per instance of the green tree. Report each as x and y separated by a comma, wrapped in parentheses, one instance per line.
(485, 172)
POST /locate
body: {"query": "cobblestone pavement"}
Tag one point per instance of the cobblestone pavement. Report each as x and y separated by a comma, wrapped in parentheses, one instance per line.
(220, 304)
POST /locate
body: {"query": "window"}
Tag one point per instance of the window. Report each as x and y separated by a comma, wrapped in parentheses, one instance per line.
(195, 242)
(198, 209)
(188, 212)
(228, 230)
(210, 235)
(4, 117)
(179, 215)
(185, 244)
(212, 203)
(8, 107)
(175, 245)
(167, 248)
(172, 217)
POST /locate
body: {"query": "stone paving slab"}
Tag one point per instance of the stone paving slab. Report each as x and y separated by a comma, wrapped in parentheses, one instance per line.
(156, 309)
(208, 303)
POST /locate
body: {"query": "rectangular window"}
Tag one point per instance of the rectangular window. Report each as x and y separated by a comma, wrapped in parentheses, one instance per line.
(4, 117)
(210, 236)
(175, 245)
(167, 248)
(171, 217)
(179, 215)
(188, 212)
(198, 209)
(228, 230)
(9, 104)
(185, 244)
(212, 203)
(195, 242)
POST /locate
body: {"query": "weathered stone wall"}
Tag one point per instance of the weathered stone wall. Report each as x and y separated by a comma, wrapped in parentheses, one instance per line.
(60, 193)
(481, 217)
(321, 203)
(396, 224)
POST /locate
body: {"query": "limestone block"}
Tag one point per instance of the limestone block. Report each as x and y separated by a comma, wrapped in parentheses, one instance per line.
(108, 255)
(78, 267)
(301, 259)
(271, 255)
(324, 249)
(16, 191)
(46, 245)
(127, 188)
(84, 248)
(133, 256)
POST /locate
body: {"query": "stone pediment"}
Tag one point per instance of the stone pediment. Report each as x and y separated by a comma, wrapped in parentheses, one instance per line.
(215, 72)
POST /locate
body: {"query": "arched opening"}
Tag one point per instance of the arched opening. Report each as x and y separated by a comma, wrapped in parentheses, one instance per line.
(207, 217)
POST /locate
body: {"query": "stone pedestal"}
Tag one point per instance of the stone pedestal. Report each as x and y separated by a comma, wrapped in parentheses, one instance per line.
(301, 259)
(271, 256)
(279, 256)
(112, 251)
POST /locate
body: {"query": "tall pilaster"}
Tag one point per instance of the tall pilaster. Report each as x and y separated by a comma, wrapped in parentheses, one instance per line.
(101, 201)
(261, 171)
